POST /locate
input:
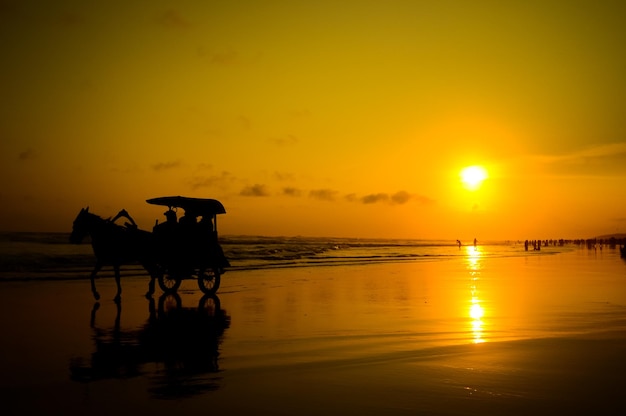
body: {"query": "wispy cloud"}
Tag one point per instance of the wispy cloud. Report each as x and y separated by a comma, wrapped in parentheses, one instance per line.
(398, 198)
(289, 191)
(255, 190)
(401, 197)
(374, 198)
(221, 181)
(323, 194)
(166, 165)
(605, 159)
(288, 140)
(283, 176)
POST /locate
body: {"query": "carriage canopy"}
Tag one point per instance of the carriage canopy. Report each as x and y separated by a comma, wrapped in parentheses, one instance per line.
(200, 206)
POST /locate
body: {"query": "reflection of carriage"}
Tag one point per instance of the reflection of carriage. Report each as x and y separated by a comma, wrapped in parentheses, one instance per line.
(189, 248)
(183, 341)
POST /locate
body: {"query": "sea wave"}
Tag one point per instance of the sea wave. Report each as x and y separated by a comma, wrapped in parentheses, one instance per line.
(28, 256)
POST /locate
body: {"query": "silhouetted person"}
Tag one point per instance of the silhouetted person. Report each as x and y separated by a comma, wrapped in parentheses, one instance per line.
(166, 235)
(526, 245)
(189, 220)
(171, 222)
(190, 238)
(475, 242)
(458, 243)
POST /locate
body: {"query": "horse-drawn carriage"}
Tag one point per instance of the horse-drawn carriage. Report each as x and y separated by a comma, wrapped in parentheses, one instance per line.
(176, 249)
(189, 248)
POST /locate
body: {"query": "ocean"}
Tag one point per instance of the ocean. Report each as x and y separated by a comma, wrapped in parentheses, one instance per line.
(50, 256)
(302, 324)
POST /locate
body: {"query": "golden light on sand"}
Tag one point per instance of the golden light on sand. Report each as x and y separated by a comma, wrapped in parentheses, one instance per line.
(473, 176)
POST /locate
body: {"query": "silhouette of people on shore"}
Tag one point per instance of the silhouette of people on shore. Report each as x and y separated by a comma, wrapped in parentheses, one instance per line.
(475, 242)
(458, 242)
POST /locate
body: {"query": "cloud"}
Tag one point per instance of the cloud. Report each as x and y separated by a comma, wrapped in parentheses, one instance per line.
(173, 19)
(222, 58)
(254, 190)
(27, 154)
(166, 165)
(323, 194)
(288, 140)
(282, 176)
(374, 198)
(222, 181)
(400, 197)
(605, 159)
(205, 166)
(292, 191)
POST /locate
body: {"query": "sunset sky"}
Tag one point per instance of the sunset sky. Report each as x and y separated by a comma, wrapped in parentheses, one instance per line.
(318, 118)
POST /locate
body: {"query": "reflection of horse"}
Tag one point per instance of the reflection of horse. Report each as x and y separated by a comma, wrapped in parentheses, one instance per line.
(184, 340)
(114, 245)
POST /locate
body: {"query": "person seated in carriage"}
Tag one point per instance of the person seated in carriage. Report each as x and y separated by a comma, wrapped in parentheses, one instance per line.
(170, 224)
(166, 235)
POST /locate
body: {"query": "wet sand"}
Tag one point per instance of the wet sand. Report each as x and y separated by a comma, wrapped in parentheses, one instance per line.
(536, 335)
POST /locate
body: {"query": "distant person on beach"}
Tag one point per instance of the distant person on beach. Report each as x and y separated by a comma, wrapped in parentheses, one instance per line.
(475, 242)
(459, 243)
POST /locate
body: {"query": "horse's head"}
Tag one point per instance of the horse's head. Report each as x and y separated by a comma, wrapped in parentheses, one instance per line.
(81, 226)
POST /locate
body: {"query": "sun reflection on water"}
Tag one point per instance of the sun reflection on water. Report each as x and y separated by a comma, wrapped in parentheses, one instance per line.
(476, 311)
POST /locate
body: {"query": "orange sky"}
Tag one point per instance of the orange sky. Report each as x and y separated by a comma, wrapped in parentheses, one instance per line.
(318, 118)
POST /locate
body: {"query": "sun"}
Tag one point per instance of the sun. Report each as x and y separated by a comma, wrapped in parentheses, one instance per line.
(473, 176)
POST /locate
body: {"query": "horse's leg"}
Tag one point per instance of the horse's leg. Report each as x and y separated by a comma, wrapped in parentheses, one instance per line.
(93, 283)
(118, 296)
(151, 271)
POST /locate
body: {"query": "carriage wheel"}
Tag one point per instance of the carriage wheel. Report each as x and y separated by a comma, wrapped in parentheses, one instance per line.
(209, 281)
(169, 283)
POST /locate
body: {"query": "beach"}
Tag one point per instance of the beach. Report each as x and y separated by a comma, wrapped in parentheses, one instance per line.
(464, 336)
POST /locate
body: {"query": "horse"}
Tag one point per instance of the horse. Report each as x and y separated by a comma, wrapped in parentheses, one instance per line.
(115, 245)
